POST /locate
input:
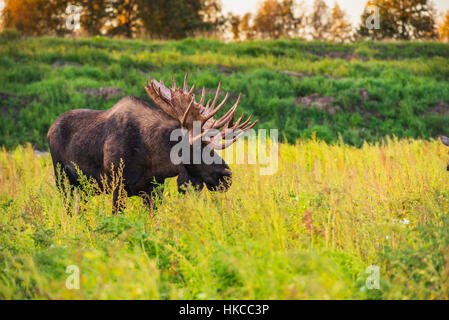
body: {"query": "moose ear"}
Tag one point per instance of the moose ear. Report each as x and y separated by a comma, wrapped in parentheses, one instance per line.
(445, 140)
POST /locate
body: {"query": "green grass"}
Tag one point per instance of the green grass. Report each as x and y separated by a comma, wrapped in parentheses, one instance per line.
(307, 232)
(403, 80)
(350, 199)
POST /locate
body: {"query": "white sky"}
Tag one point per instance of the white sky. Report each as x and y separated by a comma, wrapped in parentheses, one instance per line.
(353, 8)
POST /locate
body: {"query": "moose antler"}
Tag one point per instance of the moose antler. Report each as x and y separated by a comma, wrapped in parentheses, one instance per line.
(180, 104)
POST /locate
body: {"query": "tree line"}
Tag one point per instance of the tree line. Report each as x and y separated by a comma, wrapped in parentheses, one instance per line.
(175, 19)
(168, 19)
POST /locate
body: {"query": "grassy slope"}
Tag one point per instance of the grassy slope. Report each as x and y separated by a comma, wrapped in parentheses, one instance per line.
(403, 80)
(308, 231)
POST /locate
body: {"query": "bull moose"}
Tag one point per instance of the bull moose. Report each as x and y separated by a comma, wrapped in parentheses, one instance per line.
(138, 134)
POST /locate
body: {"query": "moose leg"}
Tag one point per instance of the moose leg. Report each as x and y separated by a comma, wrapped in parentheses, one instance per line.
(152, 191)
(116, 208)
(66, 182)
(67, 192)
(147, 200)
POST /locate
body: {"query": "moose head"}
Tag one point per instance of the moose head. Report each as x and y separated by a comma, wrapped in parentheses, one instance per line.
(205, 134)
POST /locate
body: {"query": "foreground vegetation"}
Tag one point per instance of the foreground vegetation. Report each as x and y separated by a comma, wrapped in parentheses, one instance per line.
(345, 197)
(403, 83)
(308, 231)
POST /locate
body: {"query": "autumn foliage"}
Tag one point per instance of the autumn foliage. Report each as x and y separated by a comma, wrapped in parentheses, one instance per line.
(273, 19)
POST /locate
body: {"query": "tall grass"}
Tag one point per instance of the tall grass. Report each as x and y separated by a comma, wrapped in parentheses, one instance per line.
(308, 231)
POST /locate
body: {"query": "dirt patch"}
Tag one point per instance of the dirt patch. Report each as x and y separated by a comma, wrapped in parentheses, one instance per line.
(364, 96)
(342, 55)
(6, 96)
(227, 71)
(346, 55)
(301, 75)
(441, 108)
(62, 64)
(147, 71)
(105, 93)
(327, 103)
(298, 74)
(15, 103)
(319, 102)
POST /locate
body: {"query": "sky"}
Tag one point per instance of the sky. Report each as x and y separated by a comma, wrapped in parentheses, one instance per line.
(353, 8)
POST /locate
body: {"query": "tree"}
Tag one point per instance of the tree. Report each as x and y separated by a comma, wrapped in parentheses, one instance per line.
(241, 26)
(246, 27)
(35, 17)
(95, 15)
(161, 19)
(443, 28)
(124, 17)
(400, 19)
(289, 18)
(319, 21)
(21, 15)
(172, 19)
(234, 21)
(275, 19)
(341, 29)
(212, 16)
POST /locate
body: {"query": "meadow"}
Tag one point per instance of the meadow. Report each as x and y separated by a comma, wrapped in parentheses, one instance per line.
(345, 197)
(406, 92)
(310, 231)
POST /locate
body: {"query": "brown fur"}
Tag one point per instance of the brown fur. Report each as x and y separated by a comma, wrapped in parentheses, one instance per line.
(131, 130)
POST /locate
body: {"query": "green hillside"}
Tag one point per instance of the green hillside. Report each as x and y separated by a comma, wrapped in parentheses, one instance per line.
(361, 91)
